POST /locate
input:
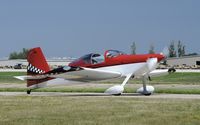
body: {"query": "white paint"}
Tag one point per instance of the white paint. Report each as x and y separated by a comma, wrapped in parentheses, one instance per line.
(114, 90)
(152, 64)
(126, 80)
(127, 69)
(89, 74)
(149, 89)
(156, 73)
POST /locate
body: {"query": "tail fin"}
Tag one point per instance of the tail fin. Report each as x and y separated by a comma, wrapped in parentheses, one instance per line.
(37, 64)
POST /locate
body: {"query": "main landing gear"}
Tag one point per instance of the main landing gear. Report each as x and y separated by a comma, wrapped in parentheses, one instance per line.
(144, 82)
(118, 89)
(145, 90)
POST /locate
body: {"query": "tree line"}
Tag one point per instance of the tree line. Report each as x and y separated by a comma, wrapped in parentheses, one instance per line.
(19, 55)
(176, 49)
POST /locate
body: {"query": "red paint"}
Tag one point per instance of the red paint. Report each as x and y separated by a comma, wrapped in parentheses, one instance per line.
(118, 60)
(36, 58)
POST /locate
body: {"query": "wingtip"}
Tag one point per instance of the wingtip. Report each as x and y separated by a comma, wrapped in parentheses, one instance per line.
(20, 77)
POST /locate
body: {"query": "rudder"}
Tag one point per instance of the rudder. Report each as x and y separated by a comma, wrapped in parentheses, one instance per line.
(37, 64)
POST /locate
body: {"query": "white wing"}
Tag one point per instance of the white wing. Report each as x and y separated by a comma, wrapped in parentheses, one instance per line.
(85, 74)
(88, 74)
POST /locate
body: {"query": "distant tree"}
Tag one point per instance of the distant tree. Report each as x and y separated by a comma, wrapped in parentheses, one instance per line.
(133, 48)
(13, 55)
(151, 50)
(172, 50)
(20, 55)
(181, 49)
(24, 53)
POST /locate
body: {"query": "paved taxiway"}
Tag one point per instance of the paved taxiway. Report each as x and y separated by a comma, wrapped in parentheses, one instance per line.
(130, 95)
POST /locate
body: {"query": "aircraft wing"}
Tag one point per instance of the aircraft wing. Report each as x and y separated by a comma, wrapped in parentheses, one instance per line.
(88, 74)
(158, 72)
(75, 74)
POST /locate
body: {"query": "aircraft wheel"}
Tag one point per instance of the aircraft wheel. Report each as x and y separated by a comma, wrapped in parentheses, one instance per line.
(147, 94)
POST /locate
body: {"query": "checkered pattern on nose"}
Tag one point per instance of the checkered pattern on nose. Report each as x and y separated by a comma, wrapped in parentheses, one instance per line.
(34, 69)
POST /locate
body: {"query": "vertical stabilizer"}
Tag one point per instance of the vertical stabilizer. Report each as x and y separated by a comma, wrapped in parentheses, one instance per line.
(37, 65)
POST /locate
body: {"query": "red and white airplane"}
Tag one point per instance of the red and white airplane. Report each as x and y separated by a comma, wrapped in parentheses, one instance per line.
(93, 67)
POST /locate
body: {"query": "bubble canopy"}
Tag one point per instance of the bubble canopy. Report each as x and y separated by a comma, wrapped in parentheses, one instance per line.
(95, 58)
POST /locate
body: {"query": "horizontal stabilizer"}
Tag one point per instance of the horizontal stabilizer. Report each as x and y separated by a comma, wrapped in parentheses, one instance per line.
(30, 77)
(157, 73)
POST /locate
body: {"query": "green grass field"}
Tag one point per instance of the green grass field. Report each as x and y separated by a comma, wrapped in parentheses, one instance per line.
(98, 110)
(8, 77)
(176, 78)
(102, 90)
(34, 110)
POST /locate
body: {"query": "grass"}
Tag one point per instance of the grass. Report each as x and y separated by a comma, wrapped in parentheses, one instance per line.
(31, 110)
(175, 78)
(178, 91)
(8, 77)
(76, 110)
(178, 78)
(102, 90)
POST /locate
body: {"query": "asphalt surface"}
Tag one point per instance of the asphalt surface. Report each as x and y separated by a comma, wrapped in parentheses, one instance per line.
(129, 95)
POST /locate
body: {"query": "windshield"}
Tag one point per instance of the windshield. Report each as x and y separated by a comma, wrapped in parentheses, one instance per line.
(93, 58)
(97, 58)
(114, 53)
(86, 58)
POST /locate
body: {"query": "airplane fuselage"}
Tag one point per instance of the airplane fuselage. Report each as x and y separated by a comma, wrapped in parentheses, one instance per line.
(125, 64)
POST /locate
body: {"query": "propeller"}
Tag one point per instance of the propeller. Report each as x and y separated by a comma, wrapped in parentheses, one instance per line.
(152, 63)
(165, 52)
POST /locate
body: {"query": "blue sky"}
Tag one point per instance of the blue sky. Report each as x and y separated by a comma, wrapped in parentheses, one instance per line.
(76, 27)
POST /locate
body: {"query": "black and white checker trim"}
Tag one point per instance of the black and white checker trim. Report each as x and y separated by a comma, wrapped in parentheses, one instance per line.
(34, 69)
